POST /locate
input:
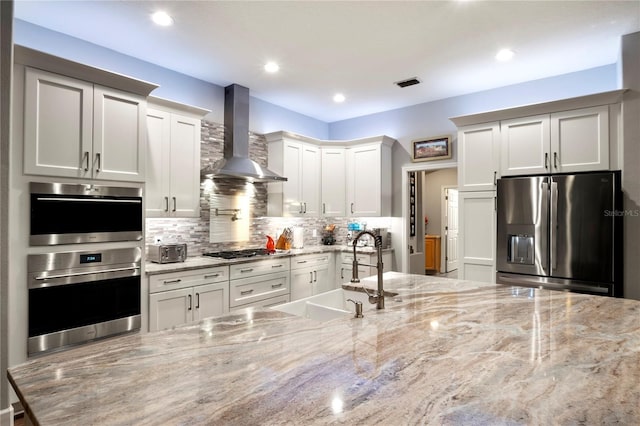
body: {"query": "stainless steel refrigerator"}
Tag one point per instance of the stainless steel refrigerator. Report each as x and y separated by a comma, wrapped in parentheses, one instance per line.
(561, 232)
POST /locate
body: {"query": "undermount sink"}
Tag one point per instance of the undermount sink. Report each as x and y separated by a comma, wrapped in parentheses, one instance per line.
(328, 305)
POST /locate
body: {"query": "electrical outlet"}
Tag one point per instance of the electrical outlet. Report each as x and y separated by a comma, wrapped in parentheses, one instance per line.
(315, 233)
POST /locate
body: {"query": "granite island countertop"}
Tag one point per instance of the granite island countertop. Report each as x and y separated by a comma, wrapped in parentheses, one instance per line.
(442, 352)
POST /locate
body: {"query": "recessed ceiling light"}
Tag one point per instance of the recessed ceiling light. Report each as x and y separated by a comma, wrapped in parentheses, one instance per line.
(338, 97)
(271, 67)
(504, 55)
(162, 18)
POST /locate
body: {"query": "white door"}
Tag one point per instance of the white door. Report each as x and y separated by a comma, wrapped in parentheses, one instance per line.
(364, 185)
(310, 185)
(525, 146)
(119, 137)
(211, 300)
(334, 198)
(477, 233)
(452, 230)
(580, 140)
(301, 283)
(170, 308)
(479, 153)
(158, 160)
(185, 166)
(57, 125)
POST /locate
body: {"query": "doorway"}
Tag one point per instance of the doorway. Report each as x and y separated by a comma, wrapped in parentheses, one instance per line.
(449, 229)
(412, 257)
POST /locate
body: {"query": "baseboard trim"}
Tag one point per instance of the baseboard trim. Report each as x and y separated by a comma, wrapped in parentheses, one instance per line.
(6, 416)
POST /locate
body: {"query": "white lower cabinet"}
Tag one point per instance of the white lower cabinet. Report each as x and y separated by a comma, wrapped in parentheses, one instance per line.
(179, 298)
(310, 275)
(477, 236)
(259, 284)
(344, 268)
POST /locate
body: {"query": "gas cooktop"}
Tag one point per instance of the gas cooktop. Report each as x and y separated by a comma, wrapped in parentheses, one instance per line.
(235, 254)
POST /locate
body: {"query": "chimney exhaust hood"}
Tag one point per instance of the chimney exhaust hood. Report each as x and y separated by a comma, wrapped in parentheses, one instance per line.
(236, 163)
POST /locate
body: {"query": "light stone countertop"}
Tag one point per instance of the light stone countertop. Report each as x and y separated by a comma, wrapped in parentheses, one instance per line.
(442, 352)
(199, 262)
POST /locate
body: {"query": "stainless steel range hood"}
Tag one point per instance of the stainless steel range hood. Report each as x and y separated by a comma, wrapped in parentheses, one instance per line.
(236, 162)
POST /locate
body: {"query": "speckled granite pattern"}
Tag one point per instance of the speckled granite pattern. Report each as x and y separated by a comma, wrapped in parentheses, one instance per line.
(443, 352)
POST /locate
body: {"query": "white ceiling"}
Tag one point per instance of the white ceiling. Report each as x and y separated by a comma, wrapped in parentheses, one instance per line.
(359, 48)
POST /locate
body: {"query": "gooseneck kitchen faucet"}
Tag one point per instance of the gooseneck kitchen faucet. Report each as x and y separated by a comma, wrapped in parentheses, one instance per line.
(377, 298)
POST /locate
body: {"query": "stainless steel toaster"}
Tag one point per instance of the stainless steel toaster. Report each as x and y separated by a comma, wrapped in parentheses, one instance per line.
(167, 253)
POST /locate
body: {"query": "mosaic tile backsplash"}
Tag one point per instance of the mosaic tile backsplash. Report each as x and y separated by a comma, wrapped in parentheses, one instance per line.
(196, 231)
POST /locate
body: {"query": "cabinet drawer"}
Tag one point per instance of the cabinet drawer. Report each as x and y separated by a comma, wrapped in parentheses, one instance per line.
(362, 258)
(260, 267)
(308, 260)
(250, 290)
(265, 303)
(176, 280)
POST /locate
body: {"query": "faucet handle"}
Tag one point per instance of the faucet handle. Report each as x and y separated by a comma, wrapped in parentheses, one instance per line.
(358, 313)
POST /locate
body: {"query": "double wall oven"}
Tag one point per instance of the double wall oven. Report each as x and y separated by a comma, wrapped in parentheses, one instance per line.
(76, 296)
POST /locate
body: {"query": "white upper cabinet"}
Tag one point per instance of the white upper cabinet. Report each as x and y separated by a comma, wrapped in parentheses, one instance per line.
(334, 191)
(300, 163)
(74, 128)
(580, 140)
(568, 141)
(369, 180)
(525, 146)
(478, 157)
(331, 179)
(173, 160)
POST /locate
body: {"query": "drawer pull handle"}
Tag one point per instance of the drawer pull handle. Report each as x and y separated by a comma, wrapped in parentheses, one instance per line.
(172, 281)
(246, 270)
(301, 262)
(276, 285)
(212, 275)
(277, 266)
(242, 293)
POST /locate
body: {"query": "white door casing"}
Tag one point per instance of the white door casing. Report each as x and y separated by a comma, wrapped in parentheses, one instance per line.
(451, 240)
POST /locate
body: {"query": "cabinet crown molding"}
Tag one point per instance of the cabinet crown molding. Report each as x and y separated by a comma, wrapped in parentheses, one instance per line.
(46, 62)
(282, 134)
(603, 98)
(174, 106)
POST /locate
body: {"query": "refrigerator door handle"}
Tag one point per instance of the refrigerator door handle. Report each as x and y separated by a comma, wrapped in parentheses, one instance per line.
(553, 226)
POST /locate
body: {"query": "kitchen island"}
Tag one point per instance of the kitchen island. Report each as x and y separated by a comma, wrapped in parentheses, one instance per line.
(442, 352)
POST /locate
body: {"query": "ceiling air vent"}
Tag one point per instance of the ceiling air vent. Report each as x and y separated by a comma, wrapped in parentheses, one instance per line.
(408, 82)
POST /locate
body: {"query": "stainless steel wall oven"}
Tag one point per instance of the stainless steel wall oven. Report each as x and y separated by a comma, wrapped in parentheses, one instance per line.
(79, 296)
(84, 213)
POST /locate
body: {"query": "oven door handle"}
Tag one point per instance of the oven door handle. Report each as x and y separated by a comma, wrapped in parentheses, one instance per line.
(88, 200)
(44, 281)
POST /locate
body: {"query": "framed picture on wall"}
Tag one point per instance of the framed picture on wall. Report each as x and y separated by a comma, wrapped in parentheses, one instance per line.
(437, 148)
